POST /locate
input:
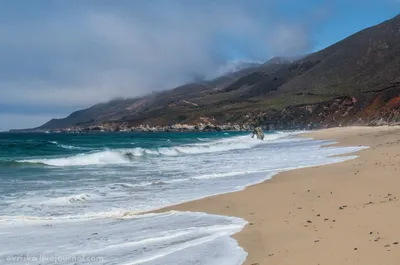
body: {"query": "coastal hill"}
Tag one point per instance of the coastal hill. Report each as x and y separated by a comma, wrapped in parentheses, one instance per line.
(353, 82)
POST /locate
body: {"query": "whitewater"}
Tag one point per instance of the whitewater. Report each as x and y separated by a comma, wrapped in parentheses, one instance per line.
(82, 197)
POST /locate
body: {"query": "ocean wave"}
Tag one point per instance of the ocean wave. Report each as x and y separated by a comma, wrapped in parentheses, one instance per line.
(118, 213)
(31, 219)
(222, 175)
(78, 198)
(98, 158)
(27, 145)
(70, 147)
(19, 163)
(165, 238)
(121, 156)
(129, 186)
(223, 145)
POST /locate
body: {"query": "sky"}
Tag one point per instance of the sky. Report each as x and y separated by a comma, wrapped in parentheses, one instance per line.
(59, 56)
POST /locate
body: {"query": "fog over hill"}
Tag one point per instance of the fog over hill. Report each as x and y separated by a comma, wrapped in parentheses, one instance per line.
(355, 81)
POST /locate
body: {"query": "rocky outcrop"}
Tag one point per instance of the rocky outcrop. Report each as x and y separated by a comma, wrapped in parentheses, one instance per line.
(342, 111)
(124, 127)
(259, 133)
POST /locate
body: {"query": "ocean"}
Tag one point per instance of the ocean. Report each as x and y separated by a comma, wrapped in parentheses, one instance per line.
(78, 198)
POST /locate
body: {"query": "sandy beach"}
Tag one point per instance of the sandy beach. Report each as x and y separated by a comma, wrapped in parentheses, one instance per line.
(344, 213)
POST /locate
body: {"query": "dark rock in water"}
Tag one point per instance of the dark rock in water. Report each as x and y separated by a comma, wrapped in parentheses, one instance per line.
(259, 133)
(129, 155)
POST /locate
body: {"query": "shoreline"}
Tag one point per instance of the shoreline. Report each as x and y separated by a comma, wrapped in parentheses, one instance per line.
(313, 215)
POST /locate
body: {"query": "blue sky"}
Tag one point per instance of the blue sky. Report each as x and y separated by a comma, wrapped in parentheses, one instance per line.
(61, 56)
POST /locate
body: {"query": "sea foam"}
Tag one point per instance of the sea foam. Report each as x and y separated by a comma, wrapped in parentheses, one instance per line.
(167, 238)
(120, 156)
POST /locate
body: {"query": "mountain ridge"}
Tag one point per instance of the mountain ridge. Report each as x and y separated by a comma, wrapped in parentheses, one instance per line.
(354, 81)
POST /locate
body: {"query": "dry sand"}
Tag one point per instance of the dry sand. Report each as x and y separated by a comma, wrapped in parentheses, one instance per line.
(338, 214)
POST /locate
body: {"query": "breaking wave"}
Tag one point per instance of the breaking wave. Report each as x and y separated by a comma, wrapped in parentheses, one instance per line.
(78, 198)
(120, 156)
(70, 147)
(99, 158)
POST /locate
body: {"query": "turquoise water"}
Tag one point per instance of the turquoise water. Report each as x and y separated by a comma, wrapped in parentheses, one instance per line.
(15, 149)
(79, 195)
(25, 145)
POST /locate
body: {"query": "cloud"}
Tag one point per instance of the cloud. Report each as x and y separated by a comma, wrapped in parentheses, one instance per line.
(103, 53)
(84, 52)
(290, 40)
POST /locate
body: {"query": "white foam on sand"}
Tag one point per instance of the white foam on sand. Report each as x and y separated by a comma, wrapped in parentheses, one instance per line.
(167, 238)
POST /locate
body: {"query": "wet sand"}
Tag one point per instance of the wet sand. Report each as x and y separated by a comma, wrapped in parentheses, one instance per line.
(344, 213)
